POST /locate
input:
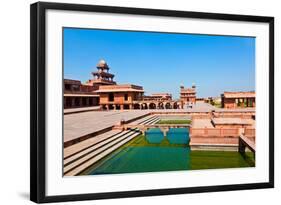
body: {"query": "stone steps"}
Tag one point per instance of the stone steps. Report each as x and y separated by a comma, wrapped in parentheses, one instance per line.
(85, 144)
(149, 121)
(146, 120)
(84, 152)
(154, 121)
(85, 159)
(142, 120)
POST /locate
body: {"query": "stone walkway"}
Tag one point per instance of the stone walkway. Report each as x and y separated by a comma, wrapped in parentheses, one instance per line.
(80, 109)
(81, 124)
(206, 107)
(201, 107)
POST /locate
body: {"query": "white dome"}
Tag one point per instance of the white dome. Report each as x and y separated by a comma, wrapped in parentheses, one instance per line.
(102, 62)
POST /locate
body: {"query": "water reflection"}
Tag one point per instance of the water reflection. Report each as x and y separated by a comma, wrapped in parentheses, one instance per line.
(174, 136)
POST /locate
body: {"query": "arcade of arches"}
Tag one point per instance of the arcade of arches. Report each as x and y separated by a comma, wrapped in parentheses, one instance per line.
(143, 106)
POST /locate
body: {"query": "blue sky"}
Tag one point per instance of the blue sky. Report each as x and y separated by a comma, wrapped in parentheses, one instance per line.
(161, 62)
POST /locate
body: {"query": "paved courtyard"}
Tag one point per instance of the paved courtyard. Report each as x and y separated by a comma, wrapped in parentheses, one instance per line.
(201, 107)
(83, 121)
(80, 124)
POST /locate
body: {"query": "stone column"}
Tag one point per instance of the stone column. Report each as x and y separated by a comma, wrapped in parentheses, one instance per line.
(72, 102)
(121, 107)
(143, 130)
(164, 130)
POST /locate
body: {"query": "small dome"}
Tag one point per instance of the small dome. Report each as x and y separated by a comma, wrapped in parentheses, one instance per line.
(102, 64)
(102, 61)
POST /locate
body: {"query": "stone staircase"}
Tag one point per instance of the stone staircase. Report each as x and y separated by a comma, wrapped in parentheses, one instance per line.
(77, 162)
(82, 155)
(148, 121)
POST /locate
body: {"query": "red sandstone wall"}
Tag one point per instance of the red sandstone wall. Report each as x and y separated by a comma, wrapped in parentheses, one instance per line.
(214, 140)
(229, 103)
(103, 98)
(119, 98)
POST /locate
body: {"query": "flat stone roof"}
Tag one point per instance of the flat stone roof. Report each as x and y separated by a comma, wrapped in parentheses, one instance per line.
(80, 95)
(119, 88)
(231, 121)
(239, 94)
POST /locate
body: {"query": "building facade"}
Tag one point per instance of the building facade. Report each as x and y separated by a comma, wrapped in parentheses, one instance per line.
(238, 99)
(77, 94)
(119, 97)
(103, 91)
(188, 95)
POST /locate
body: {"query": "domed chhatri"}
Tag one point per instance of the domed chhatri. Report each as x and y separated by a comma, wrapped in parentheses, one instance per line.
(102, 76)
(102, 64)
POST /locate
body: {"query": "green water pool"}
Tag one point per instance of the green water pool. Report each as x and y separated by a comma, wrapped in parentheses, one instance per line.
(154, 152)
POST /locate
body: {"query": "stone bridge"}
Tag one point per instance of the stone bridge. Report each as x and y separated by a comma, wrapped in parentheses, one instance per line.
(246, 142)
(143, 128)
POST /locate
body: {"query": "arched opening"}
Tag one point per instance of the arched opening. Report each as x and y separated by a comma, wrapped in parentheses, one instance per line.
(137, 106)
(160, 105)
(168, 106)
(117, 107)
(152, 106)
(144, 106)
(110, 107)
(175, 105)
(126, 107)
(104, 107)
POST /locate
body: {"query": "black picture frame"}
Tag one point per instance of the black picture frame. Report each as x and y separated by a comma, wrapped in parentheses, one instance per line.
(38, 103)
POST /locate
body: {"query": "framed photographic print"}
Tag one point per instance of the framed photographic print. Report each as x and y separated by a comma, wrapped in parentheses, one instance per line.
(129, 102)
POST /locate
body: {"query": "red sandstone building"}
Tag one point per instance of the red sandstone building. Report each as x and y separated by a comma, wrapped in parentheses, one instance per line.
(119, 97)
(238, 99)
(188, 95)
(102, 91)
(77, 94)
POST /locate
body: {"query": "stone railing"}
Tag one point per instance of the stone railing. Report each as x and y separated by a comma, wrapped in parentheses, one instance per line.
(223, 132)
(214, 132)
